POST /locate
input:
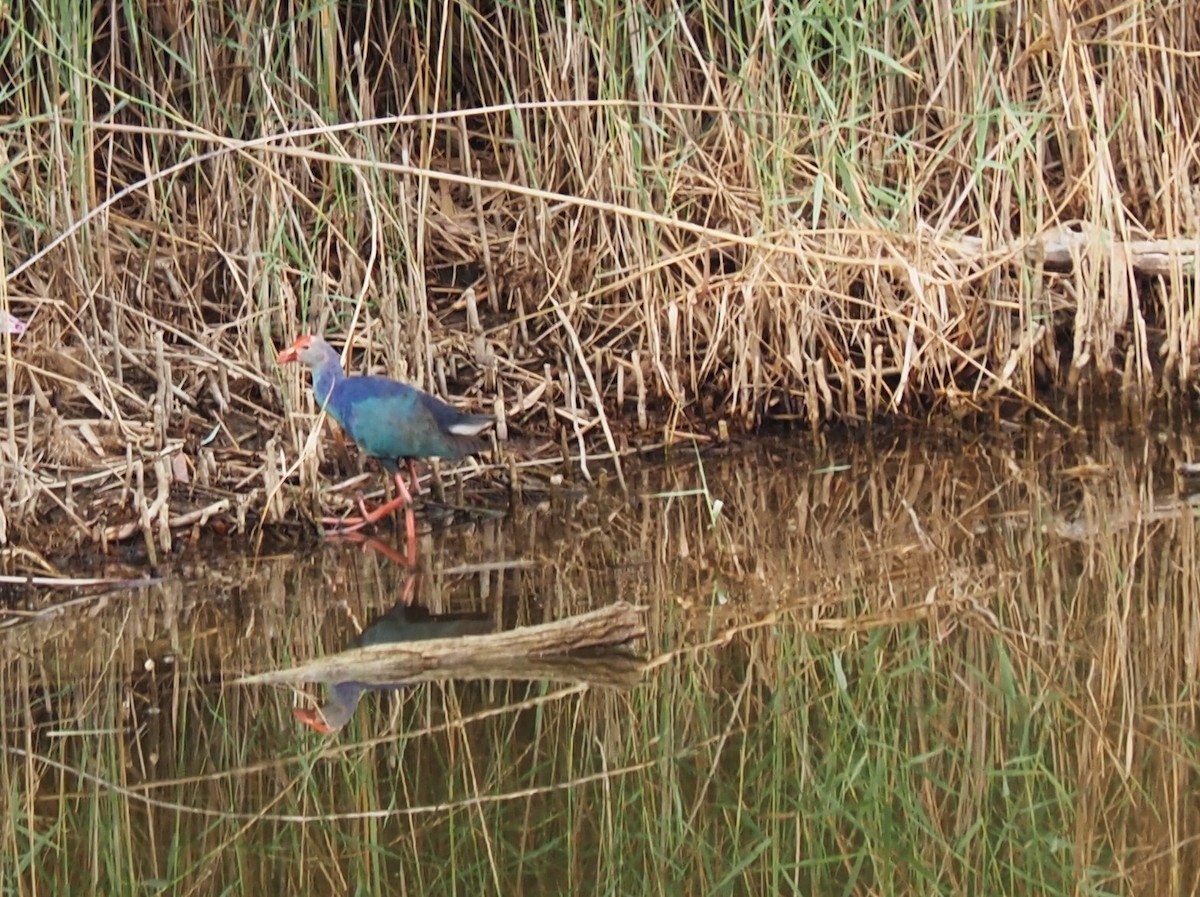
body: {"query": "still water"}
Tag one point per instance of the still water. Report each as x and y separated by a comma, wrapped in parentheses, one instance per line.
(960, 665)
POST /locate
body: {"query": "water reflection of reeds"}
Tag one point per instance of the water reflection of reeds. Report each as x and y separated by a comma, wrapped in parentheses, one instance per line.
(886, 668)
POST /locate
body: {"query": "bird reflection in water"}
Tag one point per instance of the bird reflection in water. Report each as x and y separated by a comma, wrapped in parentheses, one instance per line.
(370, 543)
(403, 623)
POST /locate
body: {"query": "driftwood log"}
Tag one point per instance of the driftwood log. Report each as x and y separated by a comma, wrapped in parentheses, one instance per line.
(1063, 247)
(583, 648)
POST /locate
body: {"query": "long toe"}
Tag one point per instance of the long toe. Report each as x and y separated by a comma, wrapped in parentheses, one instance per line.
(362, 507)
(344, 524)
(385, 509)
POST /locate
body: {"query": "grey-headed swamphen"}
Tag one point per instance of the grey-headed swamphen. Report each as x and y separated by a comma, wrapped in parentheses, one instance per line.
(390, 421)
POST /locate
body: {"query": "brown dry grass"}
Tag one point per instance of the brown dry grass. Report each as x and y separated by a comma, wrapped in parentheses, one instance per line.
(610, 227)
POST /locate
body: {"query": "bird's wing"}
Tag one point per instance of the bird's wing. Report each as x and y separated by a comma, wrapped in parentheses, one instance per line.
(390, 421)
(451, 419)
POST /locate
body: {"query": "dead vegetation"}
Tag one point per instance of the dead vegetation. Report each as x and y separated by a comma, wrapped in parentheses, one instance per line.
(609, 227)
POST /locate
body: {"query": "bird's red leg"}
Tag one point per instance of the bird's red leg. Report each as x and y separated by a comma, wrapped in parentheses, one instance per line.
(412, 475)
(410, 520)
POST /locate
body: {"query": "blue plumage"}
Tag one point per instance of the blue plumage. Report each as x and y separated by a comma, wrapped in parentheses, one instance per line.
(392, 421)
(387, 419)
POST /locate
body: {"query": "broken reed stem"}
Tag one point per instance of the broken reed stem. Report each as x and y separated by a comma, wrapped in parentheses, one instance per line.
(76, 582)
(597, 398)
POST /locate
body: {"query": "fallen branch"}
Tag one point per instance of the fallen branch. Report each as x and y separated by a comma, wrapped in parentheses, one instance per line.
(1061, 246)
(549, 650)
(121, 531)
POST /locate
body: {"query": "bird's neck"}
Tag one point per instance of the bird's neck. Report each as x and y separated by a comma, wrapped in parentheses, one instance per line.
(325, 378)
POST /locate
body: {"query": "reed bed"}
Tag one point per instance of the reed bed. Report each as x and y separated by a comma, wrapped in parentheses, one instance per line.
(611, 227)
(908, 668)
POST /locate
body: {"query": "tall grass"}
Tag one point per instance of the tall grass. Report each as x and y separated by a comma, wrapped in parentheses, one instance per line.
(614, 224)
(949, 670)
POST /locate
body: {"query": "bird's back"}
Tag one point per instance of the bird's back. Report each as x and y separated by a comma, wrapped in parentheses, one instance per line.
(390, 420)
(412, 624)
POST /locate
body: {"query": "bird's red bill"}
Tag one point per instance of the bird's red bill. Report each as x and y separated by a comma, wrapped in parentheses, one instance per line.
(292, 352)
(312, 719)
